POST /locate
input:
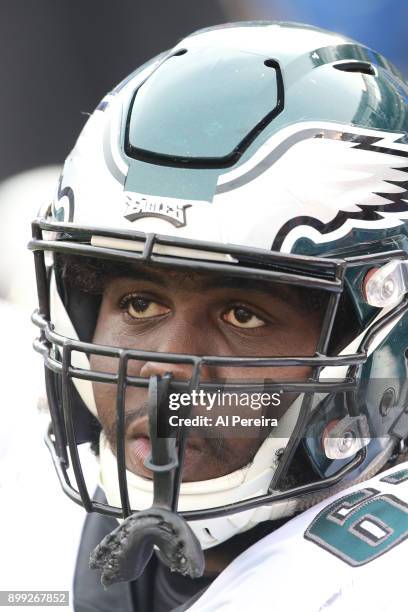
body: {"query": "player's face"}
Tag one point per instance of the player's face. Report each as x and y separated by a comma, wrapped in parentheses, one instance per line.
(200, 314)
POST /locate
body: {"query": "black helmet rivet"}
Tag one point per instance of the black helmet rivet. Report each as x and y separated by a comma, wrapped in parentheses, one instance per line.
(387, 401)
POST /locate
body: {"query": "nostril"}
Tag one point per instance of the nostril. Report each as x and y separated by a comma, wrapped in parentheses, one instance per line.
(177, 371)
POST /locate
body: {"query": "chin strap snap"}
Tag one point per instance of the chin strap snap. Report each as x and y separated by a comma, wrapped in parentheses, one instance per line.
(124, 553)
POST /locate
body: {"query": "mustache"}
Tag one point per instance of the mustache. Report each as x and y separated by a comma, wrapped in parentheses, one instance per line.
(216, 445)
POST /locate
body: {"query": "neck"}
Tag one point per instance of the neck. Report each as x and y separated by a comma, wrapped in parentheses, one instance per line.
(219, 557)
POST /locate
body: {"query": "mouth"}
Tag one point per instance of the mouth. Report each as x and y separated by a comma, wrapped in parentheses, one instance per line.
(138, 449)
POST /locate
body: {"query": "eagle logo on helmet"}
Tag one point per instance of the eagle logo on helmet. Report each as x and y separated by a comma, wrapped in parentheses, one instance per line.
(325, 181)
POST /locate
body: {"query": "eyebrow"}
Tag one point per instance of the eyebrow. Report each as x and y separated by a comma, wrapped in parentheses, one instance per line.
(159, 277)
(234, 282)
(145, 274)
(272, 289)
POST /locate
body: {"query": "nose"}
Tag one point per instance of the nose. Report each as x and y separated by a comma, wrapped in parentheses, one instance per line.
(179, 371)
(185, 340)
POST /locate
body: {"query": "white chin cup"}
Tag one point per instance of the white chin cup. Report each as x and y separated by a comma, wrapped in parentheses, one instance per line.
(247, 482)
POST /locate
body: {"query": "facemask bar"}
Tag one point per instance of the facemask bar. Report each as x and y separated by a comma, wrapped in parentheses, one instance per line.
(307, 387)
(315, 272)
(68, 372)
(120, 434)
(163, 460)
(326, 274)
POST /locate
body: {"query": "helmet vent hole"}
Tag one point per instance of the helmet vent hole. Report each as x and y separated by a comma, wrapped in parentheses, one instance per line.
(207, 534)
(179, 52)
(270, 63)
(362, 67)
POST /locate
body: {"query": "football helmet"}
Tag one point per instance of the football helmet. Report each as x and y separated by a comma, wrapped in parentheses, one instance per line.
(267, 151)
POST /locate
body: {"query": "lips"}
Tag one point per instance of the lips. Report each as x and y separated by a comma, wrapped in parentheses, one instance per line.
(138, 448)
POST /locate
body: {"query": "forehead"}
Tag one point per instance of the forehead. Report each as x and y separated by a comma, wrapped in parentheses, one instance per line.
(171, 279)
(97, 276)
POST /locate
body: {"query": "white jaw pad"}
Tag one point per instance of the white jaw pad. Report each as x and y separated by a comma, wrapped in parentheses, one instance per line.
(62, 325)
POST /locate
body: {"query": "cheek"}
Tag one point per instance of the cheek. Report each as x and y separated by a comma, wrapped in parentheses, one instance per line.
(105, 403)
(240, 451)
(262, 374)
(106, 394)
(288, 340)
(109, 327)
(297, 341)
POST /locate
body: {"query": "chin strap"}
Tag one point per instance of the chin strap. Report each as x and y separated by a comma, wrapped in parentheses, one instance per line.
(123, 554)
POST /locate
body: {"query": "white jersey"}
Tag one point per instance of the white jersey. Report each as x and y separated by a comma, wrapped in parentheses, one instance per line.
(348, 553)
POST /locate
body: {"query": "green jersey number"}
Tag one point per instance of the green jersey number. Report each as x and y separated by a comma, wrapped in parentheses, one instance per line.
(361, 526)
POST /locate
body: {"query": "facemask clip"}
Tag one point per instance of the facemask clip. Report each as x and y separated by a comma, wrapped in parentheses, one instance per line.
(387, 286)
(346, 438)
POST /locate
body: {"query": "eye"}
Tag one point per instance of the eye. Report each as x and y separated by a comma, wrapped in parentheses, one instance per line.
(238, 316)
(140, 307)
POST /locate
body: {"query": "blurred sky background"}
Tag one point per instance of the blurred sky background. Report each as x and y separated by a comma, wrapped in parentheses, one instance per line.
(57, 59)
